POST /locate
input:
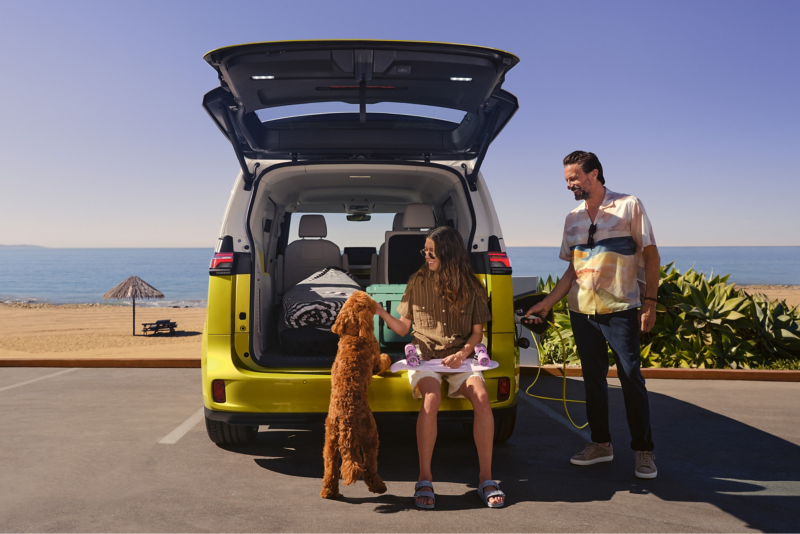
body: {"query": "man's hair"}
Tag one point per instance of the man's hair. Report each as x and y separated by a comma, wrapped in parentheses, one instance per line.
(588, 163)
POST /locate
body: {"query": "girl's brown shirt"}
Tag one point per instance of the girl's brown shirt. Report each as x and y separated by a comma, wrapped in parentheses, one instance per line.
(439, 329)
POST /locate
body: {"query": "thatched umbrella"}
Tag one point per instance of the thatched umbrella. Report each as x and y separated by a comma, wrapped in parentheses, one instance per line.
(134, 288)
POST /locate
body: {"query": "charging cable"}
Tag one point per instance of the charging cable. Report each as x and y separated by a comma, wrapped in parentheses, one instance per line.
(563, 398)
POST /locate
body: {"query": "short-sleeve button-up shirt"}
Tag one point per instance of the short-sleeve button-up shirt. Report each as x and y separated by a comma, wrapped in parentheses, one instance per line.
(610, 275)
(439, 329)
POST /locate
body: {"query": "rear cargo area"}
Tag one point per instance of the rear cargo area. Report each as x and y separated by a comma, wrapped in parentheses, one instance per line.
(281, 355)
(310, 221)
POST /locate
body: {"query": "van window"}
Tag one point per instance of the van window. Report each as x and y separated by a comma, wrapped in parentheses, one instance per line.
(389, 108)
(344, 233)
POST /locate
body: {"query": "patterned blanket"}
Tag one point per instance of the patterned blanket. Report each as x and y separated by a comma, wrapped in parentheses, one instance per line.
(316, 301)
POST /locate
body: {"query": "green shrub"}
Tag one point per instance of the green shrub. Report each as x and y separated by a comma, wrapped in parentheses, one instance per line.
(781, 365)
(700, 323)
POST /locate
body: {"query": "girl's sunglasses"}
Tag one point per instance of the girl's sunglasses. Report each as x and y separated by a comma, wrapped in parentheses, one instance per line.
(427, 254)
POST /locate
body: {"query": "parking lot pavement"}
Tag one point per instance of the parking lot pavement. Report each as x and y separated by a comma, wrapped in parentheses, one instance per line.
(87, 450)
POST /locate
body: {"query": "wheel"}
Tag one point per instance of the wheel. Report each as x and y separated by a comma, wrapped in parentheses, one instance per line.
(225, 434)
(468, 431)
(503, 426)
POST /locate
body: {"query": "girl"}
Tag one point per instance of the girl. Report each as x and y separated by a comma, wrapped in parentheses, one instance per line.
(447, 306)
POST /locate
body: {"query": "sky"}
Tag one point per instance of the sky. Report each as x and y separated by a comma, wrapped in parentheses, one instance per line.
(692, 106)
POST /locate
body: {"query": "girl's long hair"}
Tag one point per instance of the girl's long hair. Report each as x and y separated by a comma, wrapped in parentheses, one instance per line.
(455, 280)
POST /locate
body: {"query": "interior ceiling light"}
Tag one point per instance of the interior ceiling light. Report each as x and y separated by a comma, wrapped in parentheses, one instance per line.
(264, 77)
(454, 79)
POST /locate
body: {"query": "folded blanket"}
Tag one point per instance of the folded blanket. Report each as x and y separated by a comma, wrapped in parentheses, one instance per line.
(316, 301)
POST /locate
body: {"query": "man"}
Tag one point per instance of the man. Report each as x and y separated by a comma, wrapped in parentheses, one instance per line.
(612, 281)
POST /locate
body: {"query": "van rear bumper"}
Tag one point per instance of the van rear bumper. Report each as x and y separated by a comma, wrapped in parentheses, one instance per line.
(254, 419)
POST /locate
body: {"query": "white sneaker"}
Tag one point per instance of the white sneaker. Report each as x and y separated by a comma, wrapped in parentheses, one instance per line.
(645, 466)
(592, 454)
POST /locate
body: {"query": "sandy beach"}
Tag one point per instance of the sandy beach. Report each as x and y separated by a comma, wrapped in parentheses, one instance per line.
(95, 331)
(791, 294)
(104, 331)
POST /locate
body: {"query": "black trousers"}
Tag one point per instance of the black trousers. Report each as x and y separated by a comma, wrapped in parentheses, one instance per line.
(620, 330)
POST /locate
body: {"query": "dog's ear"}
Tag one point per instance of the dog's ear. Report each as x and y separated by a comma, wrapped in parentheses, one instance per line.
(347, 322)
(338, 324)
(373, 306)
(366, 323)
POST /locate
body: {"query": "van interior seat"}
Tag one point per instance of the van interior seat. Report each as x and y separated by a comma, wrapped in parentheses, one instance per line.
(377, 268)
(304, 257)
(401, 257)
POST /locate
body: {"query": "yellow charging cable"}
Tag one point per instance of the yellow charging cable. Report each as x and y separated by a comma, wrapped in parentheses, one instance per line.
(563, 398)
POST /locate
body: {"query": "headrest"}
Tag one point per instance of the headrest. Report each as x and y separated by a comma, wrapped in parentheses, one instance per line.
(312, 226)
(418, 216)
(397, 223)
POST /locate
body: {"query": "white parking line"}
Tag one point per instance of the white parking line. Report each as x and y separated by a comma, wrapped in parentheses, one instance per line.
(12, 386)
(555, 416)
(173, 437)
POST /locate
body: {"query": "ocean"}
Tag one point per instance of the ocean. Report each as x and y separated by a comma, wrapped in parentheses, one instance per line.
(62, 276)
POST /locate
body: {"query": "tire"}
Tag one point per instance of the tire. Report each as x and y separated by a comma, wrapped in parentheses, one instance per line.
(468, 431)
(225, 434)
(503, 427)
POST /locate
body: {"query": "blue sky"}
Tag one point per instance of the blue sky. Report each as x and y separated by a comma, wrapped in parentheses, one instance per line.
(691, 106)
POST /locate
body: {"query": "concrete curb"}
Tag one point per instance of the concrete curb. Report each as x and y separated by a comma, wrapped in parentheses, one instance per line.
(97, 362)
(552, 370)
(764, 375)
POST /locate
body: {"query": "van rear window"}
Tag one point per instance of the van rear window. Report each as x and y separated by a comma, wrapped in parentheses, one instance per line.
(417, 111)
(346, 233)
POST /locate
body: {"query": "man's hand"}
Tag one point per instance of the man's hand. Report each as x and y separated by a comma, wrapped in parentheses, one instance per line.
(652, 273)
(647, 316)
(537, 312)
(454, 361)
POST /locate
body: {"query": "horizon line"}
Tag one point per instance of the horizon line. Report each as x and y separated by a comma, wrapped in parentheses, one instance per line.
(507, 246)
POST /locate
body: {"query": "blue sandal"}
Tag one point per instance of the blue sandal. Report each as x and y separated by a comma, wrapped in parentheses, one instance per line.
(493, 493)
(425, 493)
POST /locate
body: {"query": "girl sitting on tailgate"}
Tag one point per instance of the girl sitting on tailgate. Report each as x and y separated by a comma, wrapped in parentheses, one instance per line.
(447, 306)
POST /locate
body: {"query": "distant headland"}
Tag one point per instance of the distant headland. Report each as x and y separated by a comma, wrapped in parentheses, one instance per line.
(21, 246)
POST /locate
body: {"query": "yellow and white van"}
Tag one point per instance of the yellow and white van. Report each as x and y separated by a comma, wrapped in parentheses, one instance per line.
(351, 130)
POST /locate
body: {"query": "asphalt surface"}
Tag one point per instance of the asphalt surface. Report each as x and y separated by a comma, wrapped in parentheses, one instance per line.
(110, 450)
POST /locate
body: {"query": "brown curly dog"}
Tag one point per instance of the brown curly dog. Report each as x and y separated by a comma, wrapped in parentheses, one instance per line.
(350, 432)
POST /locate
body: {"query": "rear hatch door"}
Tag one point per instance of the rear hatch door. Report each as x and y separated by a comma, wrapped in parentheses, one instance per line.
(371, 99)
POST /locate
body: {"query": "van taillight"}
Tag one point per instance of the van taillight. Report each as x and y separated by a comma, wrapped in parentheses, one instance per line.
(503, 388)
(218, 390)
(221, 264)
(499, 263)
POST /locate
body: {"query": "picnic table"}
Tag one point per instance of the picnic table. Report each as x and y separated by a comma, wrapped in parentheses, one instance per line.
(158, 326)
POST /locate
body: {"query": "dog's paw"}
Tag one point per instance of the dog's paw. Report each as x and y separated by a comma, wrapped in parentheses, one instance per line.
(385, 363)
(328, 493)
(377, 487)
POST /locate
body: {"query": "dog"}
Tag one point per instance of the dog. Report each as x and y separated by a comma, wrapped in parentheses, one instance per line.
(350, 432)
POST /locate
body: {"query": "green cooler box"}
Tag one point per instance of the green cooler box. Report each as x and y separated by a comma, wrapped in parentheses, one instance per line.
(389, 296)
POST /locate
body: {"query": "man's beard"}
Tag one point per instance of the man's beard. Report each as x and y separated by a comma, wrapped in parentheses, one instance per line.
(581, 194)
